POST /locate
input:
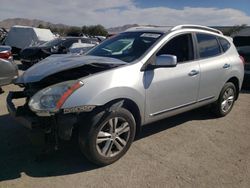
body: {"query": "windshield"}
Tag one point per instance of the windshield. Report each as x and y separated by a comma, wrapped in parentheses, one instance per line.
(53, 42)
(127, 46)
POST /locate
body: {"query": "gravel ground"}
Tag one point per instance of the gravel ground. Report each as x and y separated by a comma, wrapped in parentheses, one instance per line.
(189, 150)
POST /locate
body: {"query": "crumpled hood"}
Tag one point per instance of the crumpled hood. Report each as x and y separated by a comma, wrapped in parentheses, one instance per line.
(60, 62)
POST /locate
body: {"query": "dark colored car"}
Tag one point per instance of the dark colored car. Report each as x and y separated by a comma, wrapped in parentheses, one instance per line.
(32, 55)
(8, 70)
(242, 44)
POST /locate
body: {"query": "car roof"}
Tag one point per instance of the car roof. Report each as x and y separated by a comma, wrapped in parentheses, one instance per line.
(167, 29)
(154, 29)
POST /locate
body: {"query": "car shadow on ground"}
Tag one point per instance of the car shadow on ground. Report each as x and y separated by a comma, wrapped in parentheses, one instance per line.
(18, 153)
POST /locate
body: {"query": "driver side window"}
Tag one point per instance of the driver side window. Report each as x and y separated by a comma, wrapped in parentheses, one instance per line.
(181, 46)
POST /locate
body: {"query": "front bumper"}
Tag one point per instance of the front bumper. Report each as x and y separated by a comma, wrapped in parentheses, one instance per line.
(22, 113)
(60, 125)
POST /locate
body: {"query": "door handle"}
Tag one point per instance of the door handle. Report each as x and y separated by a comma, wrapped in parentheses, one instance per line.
(193, 73)
(226, 66)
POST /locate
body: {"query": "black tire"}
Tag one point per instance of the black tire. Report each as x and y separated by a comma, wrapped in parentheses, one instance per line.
(217, 107)
(90, 129)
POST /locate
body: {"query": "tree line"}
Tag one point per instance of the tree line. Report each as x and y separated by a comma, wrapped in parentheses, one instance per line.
(233, 30)
(92, 30)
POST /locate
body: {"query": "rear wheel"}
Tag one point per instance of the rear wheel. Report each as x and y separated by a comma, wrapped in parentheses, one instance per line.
(226, 100)
(109, 137)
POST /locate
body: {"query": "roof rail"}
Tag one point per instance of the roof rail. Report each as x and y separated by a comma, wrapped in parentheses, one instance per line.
(138, 28)
(196, 27)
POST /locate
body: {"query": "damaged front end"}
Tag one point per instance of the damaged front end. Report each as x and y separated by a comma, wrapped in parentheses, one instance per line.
(44, 95)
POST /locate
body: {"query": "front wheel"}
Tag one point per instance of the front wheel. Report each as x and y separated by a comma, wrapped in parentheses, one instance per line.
(226, 100)
(109, 137)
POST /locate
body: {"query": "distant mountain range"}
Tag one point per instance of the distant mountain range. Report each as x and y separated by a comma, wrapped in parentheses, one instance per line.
(8, 23)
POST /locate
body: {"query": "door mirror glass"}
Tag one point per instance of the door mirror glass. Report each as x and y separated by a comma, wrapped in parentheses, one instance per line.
(166, 61)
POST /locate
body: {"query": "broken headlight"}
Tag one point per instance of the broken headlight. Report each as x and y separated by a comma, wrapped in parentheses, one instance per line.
(53, 97)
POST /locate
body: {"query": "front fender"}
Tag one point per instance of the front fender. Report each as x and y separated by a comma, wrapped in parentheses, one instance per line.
(81, 97)
(99, 89)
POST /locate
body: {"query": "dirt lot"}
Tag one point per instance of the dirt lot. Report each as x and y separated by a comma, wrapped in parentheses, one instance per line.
(190, 150)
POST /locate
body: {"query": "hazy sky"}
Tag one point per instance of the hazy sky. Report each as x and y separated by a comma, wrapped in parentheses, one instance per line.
(119, 12)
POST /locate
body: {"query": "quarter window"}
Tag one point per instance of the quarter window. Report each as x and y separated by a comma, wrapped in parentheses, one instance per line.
(224, 44)
(208, 45)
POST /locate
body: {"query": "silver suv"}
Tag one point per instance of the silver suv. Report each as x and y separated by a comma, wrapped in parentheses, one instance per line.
(135, 78)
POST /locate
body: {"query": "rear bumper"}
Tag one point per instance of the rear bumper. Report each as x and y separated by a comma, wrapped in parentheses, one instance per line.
(8, 72)
(7, 81)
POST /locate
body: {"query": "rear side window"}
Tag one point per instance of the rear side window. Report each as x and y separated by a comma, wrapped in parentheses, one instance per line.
(224, 44)
(207, 45)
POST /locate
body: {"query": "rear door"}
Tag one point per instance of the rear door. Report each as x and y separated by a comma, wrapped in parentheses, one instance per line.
(213, 66)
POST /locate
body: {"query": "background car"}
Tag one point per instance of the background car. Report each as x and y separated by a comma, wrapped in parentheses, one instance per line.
(32, 55)
(8, 69)
(242, 44)
(5, 52)
(20, 37)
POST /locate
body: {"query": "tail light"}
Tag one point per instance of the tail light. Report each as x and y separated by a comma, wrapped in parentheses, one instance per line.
(242, 59)
(5, 54)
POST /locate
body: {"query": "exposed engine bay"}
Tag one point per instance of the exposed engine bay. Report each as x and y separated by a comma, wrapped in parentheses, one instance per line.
(48, 72)
(71, 74)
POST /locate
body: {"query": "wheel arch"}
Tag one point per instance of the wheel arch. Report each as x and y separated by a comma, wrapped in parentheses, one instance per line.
(131, 106)
(235, 81)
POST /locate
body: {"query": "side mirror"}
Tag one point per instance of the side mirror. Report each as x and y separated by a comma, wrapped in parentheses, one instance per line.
(166, 61)
(161, 61)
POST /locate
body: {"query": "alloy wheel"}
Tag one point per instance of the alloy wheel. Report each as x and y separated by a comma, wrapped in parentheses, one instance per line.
(227, 100)
(112, 137)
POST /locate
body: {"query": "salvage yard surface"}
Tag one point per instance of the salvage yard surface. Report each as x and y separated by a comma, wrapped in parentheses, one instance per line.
(189, 150)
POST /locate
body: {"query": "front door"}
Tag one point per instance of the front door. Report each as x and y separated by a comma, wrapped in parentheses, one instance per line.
(171, 88)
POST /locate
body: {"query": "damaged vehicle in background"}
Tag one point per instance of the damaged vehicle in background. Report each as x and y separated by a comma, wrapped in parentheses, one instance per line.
(132, 79)
(8, 69)
(242, 44)
(20, 37)
(32, 55)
